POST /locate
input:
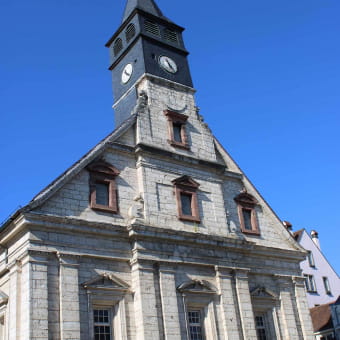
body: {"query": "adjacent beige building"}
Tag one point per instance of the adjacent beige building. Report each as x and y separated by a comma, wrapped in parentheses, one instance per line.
(155, 233)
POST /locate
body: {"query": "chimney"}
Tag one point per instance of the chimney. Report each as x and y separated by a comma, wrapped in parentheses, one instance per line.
(315, 238)
(288, 226)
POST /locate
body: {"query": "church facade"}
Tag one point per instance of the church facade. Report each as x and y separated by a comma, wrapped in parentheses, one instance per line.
(155, 233)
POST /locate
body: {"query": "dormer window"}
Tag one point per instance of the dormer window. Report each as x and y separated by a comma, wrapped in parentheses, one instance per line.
(117, 46)
(186, 197)
(151, 28)
(170, 36)
(177, 129)
(246, 209)
(130, 32)
(103, 193)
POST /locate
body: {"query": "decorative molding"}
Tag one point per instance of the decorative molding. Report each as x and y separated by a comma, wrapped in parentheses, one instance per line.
(197, 287)
(106, 281)
(263, 293)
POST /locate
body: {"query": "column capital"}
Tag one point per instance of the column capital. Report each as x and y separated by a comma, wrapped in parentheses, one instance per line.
(66, 259)
(284, 280)
(299, 281)
(241, 273)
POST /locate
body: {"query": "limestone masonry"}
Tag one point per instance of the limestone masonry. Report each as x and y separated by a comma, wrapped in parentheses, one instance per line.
(155, 233)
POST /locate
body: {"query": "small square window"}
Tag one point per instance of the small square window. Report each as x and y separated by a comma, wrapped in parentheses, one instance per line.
(186, 196)
(176, 129)
(246, 209)
(103, 194)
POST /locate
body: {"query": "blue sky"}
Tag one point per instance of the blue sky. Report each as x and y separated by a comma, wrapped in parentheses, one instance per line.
(267, 75)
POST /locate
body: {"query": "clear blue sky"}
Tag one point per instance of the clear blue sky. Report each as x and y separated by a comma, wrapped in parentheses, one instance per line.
(268, 80)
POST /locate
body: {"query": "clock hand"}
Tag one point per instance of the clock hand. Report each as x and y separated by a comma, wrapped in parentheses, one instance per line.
(126, 72)
(169, 65)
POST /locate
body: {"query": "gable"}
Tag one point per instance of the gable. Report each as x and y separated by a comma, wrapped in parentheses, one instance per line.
(272, 232)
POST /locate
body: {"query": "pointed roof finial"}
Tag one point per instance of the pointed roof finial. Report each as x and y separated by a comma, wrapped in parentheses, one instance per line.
(148, 6)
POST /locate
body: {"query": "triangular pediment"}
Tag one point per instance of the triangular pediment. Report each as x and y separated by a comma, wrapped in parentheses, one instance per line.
(186, 181)
(246, 198)
(263, 293)
(106, 281)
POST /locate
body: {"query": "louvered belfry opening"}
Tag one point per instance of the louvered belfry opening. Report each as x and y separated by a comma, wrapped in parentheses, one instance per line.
(130, 32)
(170, 36)
(118, 46)
(151, 28)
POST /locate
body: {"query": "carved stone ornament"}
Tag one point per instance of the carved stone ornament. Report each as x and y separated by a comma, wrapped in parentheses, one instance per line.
(106, 281)
(136, 211)
(262, 292)
(196, 286)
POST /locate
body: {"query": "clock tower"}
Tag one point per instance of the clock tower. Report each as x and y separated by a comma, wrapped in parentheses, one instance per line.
(146, 43)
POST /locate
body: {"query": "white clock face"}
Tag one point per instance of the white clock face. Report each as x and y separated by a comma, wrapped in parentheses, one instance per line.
(168, 64)
(127, 73)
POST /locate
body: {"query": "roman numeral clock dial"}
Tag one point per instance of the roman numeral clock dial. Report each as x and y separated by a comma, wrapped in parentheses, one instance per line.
(167, 64)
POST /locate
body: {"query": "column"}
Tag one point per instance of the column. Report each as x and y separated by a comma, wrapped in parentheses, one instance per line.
(69, 297)
(303, 309)
(169, 303)
(244, 304)
(290, 327)
(146, 318)
(224, 278)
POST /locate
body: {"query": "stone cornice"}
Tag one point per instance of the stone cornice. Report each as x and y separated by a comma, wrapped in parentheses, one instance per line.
(153, 150)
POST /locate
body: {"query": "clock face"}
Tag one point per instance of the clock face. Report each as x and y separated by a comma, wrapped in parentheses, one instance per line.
(127, 73)
(167, 64)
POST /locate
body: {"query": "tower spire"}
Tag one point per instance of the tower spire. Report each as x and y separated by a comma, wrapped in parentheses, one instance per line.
(148, 6)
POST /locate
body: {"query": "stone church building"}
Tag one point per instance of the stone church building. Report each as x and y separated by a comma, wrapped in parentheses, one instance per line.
(155, 233)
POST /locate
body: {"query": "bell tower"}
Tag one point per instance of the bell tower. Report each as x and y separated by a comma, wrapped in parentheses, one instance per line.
(145, 43)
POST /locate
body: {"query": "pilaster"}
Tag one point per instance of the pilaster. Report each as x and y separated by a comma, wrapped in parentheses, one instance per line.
(38, 298)
(303, 310)
(169, 303)
(245, 306)
(224, 278)
(14, 301)
(69, 297)
(146, 317)
(290, 329)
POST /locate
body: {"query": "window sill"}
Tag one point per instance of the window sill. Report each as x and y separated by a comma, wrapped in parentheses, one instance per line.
(179, 145)
(104, 208)
(189, 218)
(251, 232)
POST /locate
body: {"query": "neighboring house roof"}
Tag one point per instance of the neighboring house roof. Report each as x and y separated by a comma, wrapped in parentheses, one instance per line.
(321, 318)
(297, 234)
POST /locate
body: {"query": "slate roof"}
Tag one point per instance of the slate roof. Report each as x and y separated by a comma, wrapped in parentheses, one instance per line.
(148, 6)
